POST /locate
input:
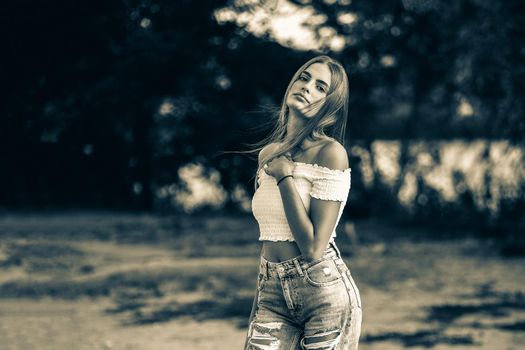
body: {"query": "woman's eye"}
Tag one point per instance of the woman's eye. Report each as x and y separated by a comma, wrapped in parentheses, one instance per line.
(321, 88)
(303, 78)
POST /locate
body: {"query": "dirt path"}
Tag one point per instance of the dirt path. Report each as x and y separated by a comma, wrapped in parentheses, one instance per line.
(61, 293)
(51, 324)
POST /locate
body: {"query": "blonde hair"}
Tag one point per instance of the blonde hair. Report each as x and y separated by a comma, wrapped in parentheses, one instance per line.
(328, 123)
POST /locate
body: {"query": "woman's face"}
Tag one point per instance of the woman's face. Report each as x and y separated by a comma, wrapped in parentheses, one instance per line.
(311, 86)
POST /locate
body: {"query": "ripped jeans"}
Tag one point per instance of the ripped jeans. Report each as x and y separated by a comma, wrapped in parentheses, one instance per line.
(306, 305)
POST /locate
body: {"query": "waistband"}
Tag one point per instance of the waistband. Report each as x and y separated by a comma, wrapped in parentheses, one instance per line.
(297, 265)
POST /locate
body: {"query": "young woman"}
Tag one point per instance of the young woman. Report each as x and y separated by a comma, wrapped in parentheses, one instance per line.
(305, 297)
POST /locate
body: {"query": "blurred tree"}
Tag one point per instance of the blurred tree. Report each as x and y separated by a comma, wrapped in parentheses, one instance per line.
(107, 99)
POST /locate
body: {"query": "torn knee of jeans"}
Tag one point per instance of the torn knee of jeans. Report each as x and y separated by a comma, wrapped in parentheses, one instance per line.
(321, 341)
(264, 336)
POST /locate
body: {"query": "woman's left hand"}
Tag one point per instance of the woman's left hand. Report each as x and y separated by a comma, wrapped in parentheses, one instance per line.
(280, 166)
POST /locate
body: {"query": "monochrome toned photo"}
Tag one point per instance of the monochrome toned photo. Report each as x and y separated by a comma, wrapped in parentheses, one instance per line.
(263, 175)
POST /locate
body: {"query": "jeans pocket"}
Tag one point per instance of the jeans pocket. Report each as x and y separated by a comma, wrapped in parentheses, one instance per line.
(322, 274)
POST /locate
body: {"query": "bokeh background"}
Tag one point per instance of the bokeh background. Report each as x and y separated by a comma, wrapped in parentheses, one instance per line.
(125, 206)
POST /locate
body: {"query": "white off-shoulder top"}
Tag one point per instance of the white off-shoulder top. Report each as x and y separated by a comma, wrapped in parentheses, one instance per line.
(311, 180)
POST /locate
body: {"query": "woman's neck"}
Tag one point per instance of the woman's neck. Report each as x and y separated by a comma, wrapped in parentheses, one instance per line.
(295, 124)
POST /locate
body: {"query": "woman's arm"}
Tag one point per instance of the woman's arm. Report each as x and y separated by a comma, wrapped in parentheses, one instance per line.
(312, 233)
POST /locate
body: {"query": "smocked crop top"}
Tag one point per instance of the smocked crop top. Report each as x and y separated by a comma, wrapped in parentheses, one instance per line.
(311, 180)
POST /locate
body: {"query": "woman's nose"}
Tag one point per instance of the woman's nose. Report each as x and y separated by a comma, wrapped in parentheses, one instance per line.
(309, 85)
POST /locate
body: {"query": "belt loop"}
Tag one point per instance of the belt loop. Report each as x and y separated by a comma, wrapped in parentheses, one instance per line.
(298, 267)
(264, 267)
(336, 248)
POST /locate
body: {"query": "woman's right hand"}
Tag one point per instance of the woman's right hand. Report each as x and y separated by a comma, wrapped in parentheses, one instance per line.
(280, 166)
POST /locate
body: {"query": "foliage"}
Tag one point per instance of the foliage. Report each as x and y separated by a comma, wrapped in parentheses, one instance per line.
(107, 100)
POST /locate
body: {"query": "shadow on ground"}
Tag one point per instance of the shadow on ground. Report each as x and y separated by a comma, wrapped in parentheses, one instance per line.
(484, 304)
(208, 272)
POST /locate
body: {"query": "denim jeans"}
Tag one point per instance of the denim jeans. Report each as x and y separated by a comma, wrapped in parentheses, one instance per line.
(306, 305)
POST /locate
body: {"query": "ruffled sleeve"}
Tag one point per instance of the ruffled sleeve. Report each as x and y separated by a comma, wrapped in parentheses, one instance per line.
(331, 184)
(258, 176)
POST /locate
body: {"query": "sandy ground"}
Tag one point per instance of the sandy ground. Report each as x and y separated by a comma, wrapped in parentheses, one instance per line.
(64, 293)
(83, 324)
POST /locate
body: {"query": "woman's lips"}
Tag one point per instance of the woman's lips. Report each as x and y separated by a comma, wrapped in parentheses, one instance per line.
(301, 97)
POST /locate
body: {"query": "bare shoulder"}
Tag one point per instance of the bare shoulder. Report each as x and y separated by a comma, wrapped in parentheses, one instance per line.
(333, 155)
(267, 150)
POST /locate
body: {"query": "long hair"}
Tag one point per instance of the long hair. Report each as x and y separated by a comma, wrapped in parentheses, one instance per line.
(328, 122)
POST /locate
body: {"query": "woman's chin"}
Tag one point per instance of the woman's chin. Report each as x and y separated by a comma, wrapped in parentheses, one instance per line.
(301, 109)
(296, 105)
